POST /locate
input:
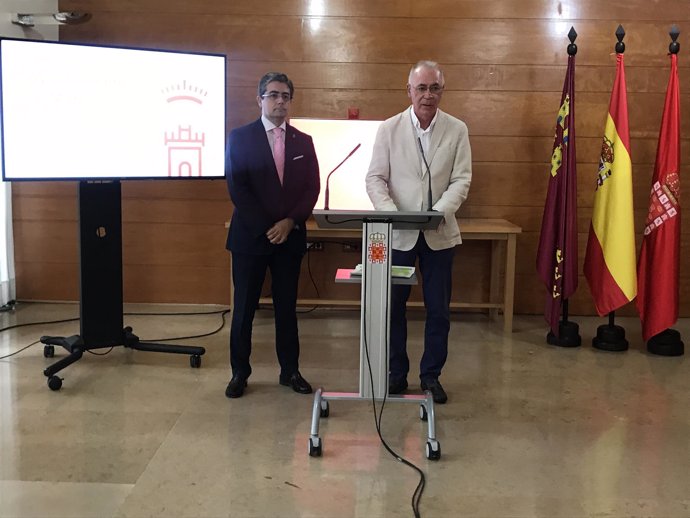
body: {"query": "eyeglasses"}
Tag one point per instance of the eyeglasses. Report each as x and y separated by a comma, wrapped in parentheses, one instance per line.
(274, 96)
(433, 89)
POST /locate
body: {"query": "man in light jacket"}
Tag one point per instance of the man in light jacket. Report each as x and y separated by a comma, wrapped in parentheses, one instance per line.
(421, 154)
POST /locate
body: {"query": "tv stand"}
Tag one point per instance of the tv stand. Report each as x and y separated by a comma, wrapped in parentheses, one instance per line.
(100, 287)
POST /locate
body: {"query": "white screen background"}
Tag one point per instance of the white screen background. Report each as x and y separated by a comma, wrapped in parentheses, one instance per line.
(73, 111)
(333, 140)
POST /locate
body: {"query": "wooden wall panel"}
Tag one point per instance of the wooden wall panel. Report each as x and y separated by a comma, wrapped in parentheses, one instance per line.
(309, 76)
(504, 64)
(190, 283)
(464, 9)
(531, 296)
(39, 279)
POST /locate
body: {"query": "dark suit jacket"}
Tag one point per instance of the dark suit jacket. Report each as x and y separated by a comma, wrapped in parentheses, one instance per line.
(259, 198)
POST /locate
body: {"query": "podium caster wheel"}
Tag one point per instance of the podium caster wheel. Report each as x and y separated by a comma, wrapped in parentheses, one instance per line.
(422, 413)
(54, 383)
(195, 361)
(433, 450)
(325, 409)
(48, 351)
(315, 445)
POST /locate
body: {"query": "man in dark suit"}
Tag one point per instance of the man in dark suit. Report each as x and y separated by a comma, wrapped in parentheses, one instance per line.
(273, 179)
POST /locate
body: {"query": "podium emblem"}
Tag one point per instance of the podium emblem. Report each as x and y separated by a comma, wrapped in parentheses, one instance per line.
(377, 248)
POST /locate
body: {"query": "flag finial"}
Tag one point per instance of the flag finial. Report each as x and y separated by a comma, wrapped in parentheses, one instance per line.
(572, 48)
(620, 34)
(674, 47)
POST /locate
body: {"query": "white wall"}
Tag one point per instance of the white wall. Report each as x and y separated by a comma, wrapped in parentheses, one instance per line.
(7, 345)
(44, 32)
(8, 8)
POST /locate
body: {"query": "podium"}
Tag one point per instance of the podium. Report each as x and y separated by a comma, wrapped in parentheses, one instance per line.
(375, 314)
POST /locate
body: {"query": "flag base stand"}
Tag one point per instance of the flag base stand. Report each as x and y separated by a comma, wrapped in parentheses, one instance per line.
(568, 335)
(610, 338)
(666, 343)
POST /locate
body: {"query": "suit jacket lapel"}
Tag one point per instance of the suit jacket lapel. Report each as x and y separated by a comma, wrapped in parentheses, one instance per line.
(411, 152)
(436, 135)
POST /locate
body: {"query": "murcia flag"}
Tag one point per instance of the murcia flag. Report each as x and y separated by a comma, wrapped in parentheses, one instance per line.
(610, 258)
(557, 252)
(657, 299)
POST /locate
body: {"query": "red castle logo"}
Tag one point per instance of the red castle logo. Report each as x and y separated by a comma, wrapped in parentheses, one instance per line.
(184, 146)
(184, 152)
(184, 92)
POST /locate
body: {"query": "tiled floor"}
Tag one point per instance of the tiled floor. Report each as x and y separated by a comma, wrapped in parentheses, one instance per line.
(529, 430)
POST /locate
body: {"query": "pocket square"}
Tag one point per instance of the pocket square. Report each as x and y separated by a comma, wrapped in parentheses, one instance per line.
(298, 157)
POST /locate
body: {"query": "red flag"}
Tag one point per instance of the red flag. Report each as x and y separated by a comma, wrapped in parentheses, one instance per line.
(557, 252)
(657, 269)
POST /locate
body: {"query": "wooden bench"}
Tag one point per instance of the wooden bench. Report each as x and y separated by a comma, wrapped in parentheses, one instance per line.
(503, 237)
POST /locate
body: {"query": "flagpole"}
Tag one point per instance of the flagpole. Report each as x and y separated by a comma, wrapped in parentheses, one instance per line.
(568, 332)
(611, 337)
(668, 342)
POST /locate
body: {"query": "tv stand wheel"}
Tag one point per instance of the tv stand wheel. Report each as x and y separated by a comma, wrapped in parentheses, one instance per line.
(48, 351)
(195, 361)
(54, 383)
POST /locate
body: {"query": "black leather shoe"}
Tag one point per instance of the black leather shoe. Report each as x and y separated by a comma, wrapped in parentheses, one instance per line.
(436, 389)
(236, 386)
(397, 386)
(296, 382)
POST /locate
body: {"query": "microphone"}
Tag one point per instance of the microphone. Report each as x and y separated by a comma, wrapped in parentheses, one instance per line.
(325, 204)
(428, 172)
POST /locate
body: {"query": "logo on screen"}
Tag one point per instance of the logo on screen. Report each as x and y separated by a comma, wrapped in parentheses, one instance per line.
(184, 152)
(184, 92)
(184, 143)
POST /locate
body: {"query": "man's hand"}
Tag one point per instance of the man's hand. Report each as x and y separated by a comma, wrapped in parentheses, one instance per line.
(279, 232)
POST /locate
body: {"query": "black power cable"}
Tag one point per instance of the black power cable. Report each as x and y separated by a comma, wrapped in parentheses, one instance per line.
(222, 313)
(417, 495)
(19, 350)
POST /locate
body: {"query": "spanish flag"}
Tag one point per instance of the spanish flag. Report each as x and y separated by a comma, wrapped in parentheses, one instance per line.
(660, 253)
(610, 258)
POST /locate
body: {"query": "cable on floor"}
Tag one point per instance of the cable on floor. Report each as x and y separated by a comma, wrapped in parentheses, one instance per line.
(221, 312)
(19, 350)
(417, 494)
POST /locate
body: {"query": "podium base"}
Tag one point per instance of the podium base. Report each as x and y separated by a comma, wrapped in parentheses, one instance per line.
(666, 343)
(610, 338)
(569, 335)
(321, 409)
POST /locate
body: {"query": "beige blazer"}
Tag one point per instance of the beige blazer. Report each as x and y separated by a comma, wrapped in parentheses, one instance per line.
(397, 177)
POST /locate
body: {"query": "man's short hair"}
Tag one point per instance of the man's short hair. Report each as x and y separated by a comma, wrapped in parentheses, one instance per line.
(275, 76)
(427, 64)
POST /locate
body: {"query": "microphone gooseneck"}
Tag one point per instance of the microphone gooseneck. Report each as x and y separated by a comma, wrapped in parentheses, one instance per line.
(325, 204)
(428, 173)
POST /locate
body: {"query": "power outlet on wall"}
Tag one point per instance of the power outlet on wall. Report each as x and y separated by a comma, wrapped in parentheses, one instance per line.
(316, 246)
(350, 248)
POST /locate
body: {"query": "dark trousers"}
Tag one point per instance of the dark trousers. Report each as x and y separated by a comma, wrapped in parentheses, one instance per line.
(436, 268)
(248, 274)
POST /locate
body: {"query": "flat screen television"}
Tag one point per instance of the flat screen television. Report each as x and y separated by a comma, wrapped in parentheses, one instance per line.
(334, 140)
(88, 112)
